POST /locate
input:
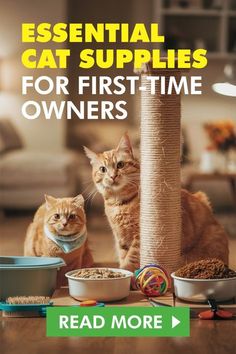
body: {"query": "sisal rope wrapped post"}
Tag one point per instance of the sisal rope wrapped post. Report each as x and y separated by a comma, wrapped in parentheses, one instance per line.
(160, 205)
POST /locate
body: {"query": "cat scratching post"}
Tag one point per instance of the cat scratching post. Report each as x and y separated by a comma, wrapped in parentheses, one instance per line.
(160, 212)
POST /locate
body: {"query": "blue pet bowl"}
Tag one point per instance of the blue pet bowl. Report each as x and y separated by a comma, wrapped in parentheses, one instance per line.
(28, 276)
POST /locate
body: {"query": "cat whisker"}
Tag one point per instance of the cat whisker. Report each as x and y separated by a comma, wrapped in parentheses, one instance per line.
(85, 190)
(94, 195)
(133, 184)
(91, 196)
(133, 174)
(133, 180)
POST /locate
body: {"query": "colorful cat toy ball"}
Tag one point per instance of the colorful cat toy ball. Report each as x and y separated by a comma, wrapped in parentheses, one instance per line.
(152, 280)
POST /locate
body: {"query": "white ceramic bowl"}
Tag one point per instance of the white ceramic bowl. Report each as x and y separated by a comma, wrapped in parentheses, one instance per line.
(199, 290)
(110, 289)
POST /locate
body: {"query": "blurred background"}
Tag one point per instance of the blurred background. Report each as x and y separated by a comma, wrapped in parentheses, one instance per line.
(45, 156)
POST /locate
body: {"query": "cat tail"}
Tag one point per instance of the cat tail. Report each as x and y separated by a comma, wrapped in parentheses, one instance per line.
(203, 198)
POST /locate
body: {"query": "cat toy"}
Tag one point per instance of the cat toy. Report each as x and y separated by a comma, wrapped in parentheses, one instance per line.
(91, 303)
(152, 280)
(160, 204)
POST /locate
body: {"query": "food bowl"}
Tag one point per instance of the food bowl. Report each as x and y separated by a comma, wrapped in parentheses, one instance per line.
(28, 276)
(200, 290)
(108, 289)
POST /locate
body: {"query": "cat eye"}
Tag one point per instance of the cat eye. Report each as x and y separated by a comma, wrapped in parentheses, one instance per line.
(56, 216)
(72, 217)
(103, 169)
(120, 164)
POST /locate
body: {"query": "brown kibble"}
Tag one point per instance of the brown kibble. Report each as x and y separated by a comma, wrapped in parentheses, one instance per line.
(96, 273)
(206, 269)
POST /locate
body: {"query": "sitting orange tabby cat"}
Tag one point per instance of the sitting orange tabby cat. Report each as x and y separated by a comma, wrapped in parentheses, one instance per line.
(116, 174)
(59, 230)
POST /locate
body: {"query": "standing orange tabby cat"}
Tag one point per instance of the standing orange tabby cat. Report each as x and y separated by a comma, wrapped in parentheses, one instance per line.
(59, 230)
(116, 174)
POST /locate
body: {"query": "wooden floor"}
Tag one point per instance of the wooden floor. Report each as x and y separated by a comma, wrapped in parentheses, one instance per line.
(19, 335)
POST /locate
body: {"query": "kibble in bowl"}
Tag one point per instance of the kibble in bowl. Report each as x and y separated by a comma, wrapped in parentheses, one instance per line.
(205, 279)
(101, 284)
(98, 273)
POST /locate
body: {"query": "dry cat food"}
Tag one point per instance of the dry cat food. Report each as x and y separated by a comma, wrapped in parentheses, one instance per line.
(206, 269)
(98, 273)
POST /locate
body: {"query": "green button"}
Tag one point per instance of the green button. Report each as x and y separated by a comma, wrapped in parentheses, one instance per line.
(118, 321)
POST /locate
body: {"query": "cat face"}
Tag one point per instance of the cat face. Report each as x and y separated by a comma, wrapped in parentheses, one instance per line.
(115, 170)
(65, 216)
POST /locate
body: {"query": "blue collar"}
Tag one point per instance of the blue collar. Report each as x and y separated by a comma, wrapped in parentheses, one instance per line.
(67, 243)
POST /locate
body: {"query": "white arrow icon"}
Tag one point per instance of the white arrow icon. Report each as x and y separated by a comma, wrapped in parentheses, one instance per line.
(175, 322)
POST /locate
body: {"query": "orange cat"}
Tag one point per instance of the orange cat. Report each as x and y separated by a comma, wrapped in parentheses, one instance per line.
(116, 176)
(59, 230)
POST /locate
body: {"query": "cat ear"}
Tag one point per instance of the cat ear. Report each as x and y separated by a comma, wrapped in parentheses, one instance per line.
(125, 144)
(50, 201)
(78, 200)
(91, 155)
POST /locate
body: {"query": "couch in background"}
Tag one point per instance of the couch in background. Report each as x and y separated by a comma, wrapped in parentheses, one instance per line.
(26, 175)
